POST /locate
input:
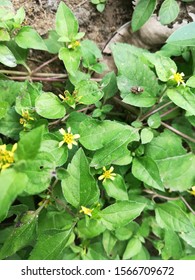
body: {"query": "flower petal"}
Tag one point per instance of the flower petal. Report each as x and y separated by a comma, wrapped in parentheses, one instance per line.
(60, 144)
(76, 136)
(70, 146)
(69, 130)
(101, 177)
(62, 131)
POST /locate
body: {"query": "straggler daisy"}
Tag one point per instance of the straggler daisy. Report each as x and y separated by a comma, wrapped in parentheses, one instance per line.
(192, 192)
(68, 138)
(107, 174)
(177, 77)
(86, 211)
(6, 156)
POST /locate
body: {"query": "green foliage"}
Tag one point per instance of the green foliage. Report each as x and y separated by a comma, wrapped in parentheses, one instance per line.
(96, 169)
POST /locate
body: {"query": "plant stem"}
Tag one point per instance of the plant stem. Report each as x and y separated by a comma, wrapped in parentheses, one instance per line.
(155, 111)
(44, 64)
(49, 79)
(168, 112)
(126, 106)
(178, 132)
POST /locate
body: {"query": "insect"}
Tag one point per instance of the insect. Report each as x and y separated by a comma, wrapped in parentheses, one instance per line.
(137, 90)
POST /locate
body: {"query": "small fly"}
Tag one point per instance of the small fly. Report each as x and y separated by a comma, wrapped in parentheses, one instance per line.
(137, 90)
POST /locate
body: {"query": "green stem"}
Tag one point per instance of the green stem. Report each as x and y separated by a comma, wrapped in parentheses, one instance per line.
(155, 111)
(178, 132)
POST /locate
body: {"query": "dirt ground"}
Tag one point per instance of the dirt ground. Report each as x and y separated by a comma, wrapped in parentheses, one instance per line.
(99, 27)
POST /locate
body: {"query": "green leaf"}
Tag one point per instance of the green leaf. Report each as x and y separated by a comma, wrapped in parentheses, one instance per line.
(20, 15)
(95, 251)
(100, 7)
(108, 241)
(84, 190)
(133, 248)
(66, 22)
(6, 56)
(173, 246)
(19, 238)
(184, 36)
(39, 172)
(109, 85)
(116, 188)
(9, 90)
(3, 109)
(169, 11)
(6, 10)
(121, 213)
(50, 245)
(4, 35)
(142, 13)
(154, 121)
(29, 144)
(88, 92)
(183, 98)
(90, 228)
(19, 53)
(176, 167)
(52, 43)
(49, 106)
(71, 59)
(90, 53)
(146, 135)
(189, 238)
(146, 170)
(191, 82)
(28, 38)
(12, 184)
(110, 139)
(124, 233)
(171, 216)
(140, 75)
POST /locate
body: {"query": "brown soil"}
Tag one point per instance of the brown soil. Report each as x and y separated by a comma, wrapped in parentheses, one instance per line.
(98, 27)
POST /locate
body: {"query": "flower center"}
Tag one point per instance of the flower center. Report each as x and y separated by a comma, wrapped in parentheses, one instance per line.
(68, 138)
(178, 77)
(107, 174)
(6, 158)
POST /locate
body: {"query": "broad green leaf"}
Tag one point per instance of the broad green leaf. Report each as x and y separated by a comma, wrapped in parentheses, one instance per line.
(95, 251)
(88, 92)
(12, 184)
(3, 108)
(20, 54)
(90, 53)
(49, 106)
(90, 229)
(39, 172)
(20, 15)
(6, 10)
(34, 42)
(154, 121)
(4, 35)
(6, 56)
(29, 144)
(183, 98)
(121, 213)
(116, 188)
(184, 36)
(10, 125)
(142, 13)
(189, 238)
(19, 238)
(83, 190)
(169, 11)
(109, 85)
(145, 169)
(71, 59)
(9, 90)
(74, 120)
(146, 135)
(66, 22)
(50, 245)
(173, 247)
(163, 65)
(60, 155)
(108, 242)
(133, 248)
(52, 43)
(124, 233)
(191, 82)
(176, 167)
(132, 72)
(171, 216)
(110, 139)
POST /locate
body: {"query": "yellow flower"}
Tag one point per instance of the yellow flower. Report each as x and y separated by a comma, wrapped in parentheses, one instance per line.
(73, 45)
(193, 191)
(107, 174)
(86, 211)
(177, 77)
(68, 138)
(26, 118)
(6, 157)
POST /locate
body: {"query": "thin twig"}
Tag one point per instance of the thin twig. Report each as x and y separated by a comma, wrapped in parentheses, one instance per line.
(178, 132)
(44, 64)
(168, 112)
(126, 106)
(155, 111)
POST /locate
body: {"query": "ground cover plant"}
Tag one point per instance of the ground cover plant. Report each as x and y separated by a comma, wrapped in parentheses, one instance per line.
(98, 168)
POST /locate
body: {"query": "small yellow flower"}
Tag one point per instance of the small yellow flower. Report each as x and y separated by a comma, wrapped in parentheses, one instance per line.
(177, 77)
(107, 174)
(25, 118)
(86, 211)
(68, 138)
(6, 157)
(73, 45)
(193, 191)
